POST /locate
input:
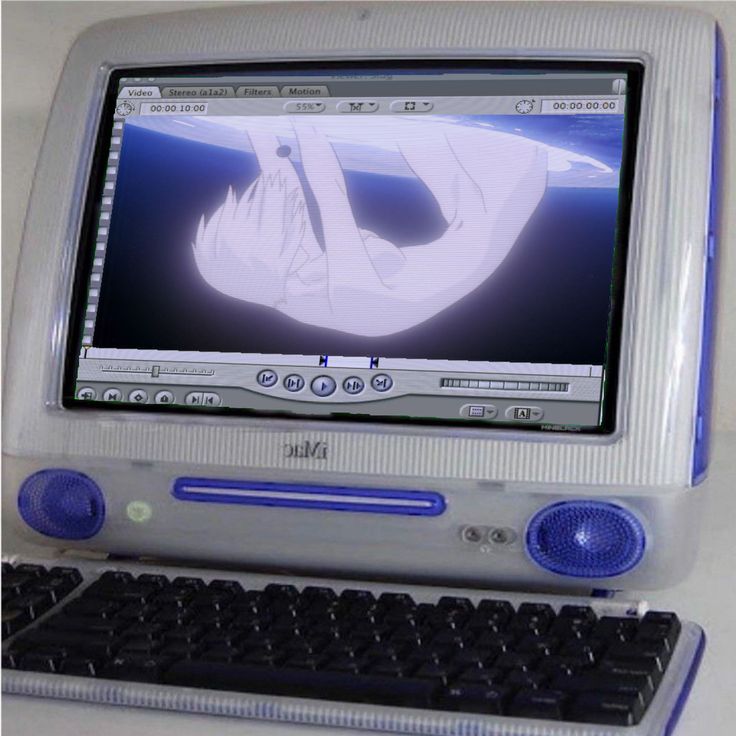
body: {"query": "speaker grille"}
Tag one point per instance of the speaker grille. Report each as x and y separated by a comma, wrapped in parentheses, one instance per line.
(585, 539)
(62, 503)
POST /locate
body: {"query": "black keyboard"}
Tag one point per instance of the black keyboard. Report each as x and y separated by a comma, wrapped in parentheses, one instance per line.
(483, 657)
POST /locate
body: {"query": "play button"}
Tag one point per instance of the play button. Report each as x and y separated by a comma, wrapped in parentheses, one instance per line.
(323, 386)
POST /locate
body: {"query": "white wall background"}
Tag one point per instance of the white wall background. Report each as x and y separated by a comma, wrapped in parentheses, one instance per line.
(36, 37)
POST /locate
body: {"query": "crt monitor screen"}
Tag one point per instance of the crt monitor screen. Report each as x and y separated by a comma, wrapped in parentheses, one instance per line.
(408, 243)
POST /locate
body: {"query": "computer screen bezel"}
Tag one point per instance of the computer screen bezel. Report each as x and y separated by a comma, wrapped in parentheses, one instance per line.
(608, 426)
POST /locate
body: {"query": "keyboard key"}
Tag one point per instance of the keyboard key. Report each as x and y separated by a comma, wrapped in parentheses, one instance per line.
(483, 675)
(563, 664)
(640, 686)
(171, 615)
(179, 649)
(79, 666)
(16, 583)
(132, 592)
(160, 581)
(231, 586)
(515, 661)
(188, 582)
(342, 663)
(57, 587)
(172, 596)
(589, 650)
(471, 657)
(475, 698)
(628, 668)
(350, 595)
(496, 643)
(93, 608)
(137, 611)
(392, 600)
(227, 653)
(519, 679)
(611, 628)
(94, 645)
(532, 618)
(115, 576)
(145, 631)
(101, 627)
(647, 654)
(276, 591)
(455, 603)
(14, 620)
(135, 667)
(499, 610)
(565, 629)
(606, 708)
(540, 645)
(388, 667)
(532, 703)
(48, 660)
(582, 614)
(410, 692)
(11, 660)
(70, 573)
(659, 626)
(452, 637)
(314, 593)
(435, 671)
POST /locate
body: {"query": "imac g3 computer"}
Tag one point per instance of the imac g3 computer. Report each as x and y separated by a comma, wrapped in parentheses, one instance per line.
(407, 293)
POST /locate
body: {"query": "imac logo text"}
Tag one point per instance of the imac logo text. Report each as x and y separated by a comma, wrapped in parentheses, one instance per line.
(314, 450)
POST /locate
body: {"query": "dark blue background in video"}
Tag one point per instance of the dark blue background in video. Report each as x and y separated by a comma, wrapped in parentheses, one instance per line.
(548, 302)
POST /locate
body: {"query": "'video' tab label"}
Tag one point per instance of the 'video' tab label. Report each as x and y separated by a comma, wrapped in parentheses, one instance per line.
(137, 93)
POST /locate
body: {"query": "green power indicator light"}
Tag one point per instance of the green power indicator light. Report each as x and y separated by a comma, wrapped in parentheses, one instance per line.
(139, 511)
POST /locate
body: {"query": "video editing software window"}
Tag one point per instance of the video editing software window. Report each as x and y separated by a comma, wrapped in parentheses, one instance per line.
(405, 243)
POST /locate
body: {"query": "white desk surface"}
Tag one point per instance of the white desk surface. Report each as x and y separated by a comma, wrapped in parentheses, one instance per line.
(36, 36)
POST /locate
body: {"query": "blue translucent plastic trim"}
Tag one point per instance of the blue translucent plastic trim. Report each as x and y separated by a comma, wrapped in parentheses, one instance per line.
(585, 539)
(701, 449)
(62, 504)
(687, 686)
(435, 502)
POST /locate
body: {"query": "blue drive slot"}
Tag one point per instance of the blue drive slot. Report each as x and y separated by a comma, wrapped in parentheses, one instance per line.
(317, 497)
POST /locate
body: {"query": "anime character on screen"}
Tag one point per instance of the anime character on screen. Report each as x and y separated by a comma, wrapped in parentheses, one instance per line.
(261, 247)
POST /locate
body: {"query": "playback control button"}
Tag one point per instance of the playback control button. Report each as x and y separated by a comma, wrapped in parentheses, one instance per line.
(382, 382)
(294, 383)
(138, 396)
(202, 398)
(323, 386)
(267, 378)
(353, 385)
(164, 397)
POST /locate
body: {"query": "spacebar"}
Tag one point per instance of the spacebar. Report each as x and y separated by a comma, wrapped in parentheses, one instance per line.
(302, 683)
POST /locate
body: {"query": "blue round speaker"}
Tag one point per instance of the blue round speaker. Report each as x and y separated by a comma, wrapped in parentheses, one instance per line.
(585, 539)
(62, 503)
